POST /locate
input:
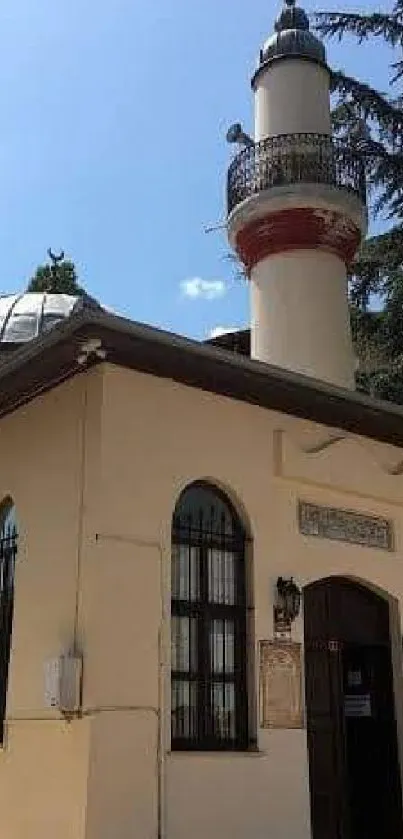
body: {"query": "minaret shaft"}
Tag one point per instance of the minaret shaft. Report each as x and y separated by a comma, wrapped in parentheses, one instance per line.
(299, 299)
(297, 210)
(282, 105)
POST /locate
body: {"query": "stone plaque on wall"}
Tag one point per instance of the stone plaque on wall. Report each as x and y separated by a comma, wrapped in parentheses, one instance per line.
(280, 685)
(345, 526)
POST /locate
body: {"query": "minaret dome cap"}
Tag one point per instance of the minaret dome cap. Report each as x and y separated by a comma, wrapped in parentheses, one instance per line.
(292, 38)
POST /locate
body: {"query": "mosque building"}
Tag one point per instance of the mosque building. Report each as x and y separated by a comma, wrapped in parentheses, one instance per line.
(201, 552)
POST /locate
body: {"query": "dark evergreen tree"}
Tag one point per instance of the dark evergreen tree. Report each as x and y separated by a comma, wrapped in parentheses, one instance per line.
(373, 121)
(59, 276)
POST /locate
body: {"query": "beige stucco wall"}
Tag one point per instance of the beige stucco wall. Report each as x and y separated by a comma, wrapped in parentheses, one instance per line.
(44, 762)
(95, 521)
(158, 436)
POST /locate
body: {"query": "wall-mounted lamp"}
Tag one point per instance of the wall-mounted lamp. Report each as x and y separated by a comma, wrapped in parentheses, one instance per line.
(287, 604)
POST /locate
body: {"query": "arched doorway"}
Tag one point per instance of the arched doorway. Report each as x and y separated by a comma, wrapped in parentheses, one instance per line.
(352, 737)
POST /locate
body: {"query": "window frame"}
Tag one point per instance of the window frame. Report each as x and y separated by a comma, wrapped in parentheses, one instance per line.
(8, 554)
(204, 611)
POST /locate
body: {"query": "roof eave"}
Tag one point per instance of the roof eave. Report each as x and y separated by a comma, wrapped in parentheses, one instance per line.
(53, 357)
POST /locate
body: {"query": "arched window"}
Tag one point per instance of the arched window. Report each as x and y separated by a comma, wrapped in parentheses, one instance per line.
(8, 552)
(208, 635)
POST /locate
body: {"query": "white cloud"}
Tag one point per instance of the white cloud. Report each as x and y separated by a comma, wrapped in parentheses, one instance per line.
(198, 289)
(221, 330)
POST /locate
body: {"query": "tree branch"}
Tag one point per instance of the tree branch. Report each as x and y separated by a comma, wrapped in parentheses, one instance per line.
(371, 103)
(337, 24)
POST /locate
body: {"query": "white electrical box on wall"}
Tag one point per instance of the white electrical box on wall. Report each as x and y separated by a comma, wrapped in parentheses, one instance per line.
(63, 684)
(52, 681)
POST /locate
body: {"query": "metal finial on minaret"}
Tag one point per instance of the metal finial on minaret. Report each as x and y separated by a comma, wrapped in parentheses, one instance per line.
(291, 17)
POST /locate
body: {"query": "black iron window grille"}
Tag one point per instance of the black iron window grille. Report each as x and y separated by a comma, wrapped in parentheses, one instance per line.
(8, 553)
(208, 632)
(295, 158)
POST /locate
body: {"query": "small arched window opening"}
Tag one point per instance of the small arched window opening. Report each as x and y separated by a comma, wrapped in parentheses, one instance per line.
(208, 636)
(8, 553)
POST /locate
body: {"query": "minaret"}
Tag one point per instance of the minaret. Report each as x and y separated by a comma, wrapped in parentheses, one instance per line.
(297, 210)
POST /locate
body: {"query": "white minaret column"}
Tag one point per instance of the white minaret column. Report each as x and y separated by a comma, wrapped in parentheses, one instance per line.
(296, 203)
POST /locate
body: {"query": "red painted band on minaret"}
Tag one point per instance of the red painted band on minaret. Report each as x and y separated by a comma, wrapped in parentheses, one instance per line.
(300, 228)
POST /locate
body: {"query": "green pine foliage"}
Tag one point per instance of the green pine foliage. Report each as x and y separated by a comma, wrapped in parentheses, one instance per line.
(372, 120)
(60, 277)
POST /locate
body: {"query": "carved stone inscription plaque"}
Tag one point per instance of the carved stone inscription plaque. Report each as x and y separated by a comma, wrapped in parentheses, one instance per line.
(345, 526)
(280, 685)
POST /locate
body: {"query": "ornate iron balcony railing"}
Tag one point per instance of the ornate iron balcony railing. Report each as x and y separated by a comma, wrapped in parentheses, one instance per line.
(293, 159)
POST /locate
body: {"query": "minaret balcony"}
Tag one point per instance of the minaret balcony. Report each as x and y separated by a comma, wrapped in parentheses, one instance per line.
(287, 160)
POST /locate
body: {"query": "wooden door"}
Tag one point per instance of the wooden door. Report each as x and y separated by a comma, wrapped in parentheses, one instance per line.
(325, 723)
(352, 737)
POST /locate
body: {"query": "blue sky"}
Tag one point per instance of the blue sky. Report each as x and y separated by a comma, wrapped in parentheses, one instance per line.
(112, 145)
